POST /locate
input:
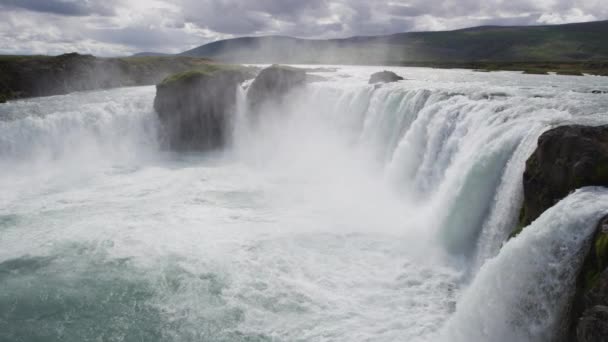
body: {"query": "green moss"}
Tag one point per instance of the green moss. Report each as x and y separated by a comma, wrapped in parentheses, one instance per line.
(601, 171)
(535, 71)
(521, 223)
(203, 70)
(596, 261)
(570, 72)
(601, 250)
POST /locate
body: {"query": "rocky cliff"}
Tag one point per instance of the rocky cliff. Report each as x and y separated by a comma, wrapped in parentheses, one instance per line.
(30, 76)
(196, 108)
(568, 158)
(273, 83)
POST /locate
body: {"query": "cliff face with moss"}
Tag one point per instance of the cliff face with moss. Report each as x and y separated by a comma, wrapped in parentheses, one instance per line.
(196, 108)
(30, 76)
(568, 158)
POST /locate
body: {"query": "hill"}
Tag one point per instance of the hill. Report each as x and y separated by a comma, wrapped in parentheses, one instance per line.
(564, 43)
(29, 76)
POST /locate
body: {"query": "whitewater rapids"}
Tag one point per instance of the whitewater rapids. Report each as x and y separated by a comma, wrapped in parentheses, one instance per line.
(350, 213)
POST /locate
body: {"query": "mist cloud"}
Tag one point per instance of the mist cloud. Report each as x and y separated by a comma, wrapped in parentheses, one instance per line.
(119, 27)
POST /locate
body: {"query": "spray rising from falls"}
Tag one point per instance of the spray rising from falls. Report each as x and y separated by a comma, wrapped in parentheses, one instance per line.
(94, 125)
(345, 211)
(457, 158)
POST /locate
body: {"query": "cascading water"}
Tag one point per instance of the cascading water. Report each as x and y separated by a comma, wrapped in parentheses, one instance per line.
(349, 212)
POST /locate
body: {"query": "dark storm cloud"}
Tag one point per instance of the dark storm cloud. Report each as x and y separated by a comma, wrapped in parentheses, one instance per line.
(62, 7)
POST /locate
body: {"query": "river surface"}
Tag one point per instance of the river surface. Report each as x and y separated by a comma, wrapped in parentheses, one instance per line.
(349, 212)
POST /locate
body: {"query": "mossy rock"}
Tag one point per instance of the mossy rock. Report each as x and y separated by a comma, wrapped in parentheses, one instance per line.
(597, 260)
(272, 84)
(202, 71)
(196, 108)
(567, 158)
(536, 72)
(570, 73)
(592, 282)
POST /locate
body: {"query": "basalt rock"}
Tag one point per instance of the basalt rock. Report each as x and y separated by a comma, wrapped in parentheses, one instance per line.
(196, 108)
(567, 158)
(593, 326)
(592, 291)
(385, 77)
(273, 83)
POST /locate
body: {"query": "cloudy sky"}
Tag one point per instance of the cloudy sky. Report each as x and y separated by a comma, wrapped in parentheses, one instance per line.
(122, 27)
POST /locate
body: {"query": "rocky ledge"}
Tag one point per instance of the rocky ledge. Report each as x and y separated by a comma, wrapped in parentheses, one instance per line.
(30, 76)
(384, 77)
(568, 158)
(273, 83)
(196, 108)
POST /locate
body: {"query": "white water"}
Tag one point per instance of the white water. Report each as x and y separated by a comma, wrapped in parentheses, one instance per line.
(352, 213)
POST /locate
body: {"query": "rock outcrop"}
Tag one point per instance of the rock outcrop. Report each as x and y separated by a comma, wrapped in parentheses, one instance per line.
(384, 77)
(589, 312)
(30, 76)
(568, 158)
(196, 108)
(593, 326)
(273, 83)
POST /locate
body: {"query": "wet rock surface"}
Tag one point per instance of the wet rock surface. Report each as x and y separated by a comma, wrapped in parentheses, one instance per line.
(385, 77)
(567, 158)
(273, 83)
(196, 108)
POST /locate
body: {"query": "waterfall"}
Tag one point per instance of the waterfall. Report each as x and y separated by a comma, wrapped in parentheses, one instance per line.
(82, 126)
(521, 294)
(346, 211)
(458, 158)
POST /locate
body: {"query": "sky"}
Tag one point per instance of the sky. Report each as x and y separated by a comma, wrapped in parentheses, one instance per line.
(124, 27)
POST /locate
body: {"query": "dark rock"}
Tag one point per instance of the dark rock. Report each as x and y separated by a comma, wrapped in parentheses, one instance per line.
(592, 283)
(567, 158)
(598, 294)
(599, 92)
(593, 325)
(30, 76)
(273, 83)
(385, 77)
(315, 78)
(196, 108)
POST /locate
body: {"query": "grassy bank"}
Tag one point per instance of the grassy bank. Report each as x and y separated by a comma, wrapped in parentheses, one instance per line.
(599, 68)
(30, 76)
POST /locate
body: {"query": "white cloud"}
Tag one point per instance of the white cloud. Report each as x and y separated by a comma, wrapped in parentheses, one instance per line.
(571, 16)
(118, 27)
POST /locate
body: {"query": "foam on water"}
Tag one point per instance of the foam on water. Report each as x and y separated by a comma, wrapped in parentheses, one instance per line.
(348, 213)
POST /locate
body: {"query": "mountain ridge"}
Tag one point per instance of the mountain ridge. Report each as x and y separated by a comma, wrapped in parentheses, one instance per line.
(566, 42)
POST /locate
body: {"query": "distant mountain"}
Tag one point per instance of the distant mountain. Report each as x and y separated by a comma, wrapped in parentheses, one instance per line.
(150, 54)
(570, 42)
